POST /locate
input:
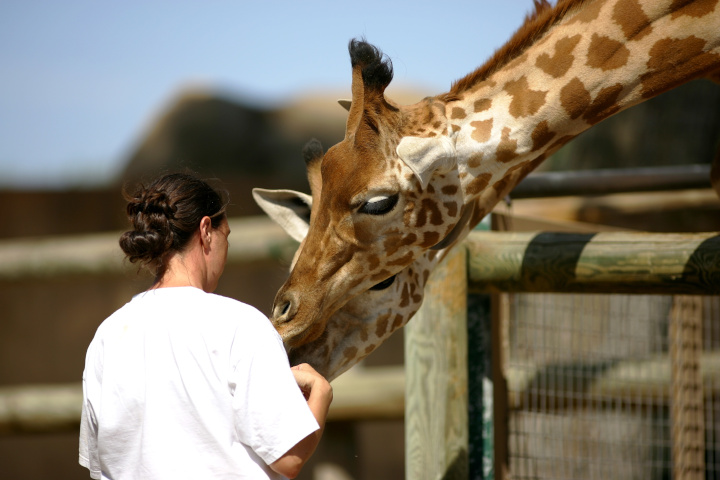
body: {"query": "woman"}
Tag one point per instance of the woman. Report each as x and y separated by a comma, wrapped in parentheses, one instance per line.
(183, 383)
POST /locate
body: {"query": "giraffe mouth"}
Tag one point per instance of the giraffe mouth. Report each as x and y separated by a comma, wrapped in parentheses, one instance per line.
(384, 284)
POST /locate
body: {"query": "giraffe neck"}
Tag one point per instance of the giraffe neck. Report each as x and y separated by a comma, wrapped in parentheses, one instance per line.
(593, 60)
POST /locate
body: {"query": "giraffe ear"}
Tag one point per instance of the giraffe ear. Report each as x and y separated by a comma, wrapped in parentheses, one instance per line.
(426, 156)
(287, 208)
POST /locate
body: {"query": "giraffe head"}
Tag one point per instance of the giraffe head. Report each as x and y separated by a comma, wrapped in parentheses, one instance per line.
(368, 319)
(387, 193)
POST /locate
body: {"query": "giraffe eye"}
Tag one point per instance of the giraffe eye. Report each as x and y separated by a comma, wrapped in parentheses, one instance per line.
(384, 284)
(379, 205)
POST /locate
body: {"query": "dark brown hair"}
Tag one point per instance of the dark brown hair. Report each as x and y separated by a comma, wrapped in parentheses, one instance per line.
(165, 215)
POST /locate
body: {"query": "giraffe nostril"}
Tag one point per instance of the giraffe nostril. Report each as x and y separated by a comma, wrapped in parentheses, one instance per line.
(285, 309)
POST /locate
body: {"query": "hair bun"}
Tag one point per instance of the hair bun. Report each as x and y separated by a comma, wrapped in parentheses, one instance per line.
(165, 215)
(148, 202)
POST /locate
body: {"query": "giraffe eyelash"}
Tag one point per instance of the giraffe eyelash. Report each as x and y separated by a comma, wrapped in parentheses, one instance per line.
(379, 205)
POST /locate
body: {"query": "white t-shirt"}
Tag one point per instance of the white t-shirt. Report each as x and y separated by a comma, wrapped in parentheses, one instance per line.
(180, 383)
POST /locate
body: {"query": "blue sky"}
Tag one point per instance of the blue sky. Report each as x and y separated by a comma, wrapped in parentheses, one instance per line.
(81, 79)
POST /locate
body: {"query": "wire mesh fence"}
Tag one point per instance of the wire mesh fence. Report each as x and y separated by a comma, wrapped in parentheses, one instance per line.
(612, 386)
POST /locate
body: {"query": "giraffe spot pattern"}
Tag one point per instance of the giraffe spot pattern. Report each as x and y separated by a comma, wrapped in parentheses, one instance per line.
(632, 19)
(428, 207)
(507, 148)
(694, 9)
(541, 135)
(449, 189)
(402, 261)
(475, 160)
(397, 323)
(391, 245)
(559, 64)
(382, 325)
(451, 207)
(479, 183)
(457, 113)
(481, 130)
(606, 54)
(408, 239)
(588, 13)
(604, 105)
(574, 98)
(405, 296)
(525, 101)
(373, 262)
(430, 239)
(482, 105)
(576, 101)
(674, 61)
(350, 353)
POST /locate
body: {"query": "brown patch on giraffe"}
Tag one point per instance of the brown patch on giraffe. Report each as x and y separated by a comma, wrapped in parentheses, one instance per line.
(479, 183)
(417, 297)
(673, 62)
(632, 19)
(437, 125)
(574, 98)
(541, 135)
(402, 261)
(373, 262)
(692, 9)
(475, 160)
(364, 335)
(588, 13)
(455, 128)
(481, 130)
(391, 245)
(430, 239)
(559, 64)
(408, 239)
(452, 208)
(457, 113)
(482, 105)
(397, 323)
(604, 105)
(525, 101)
(382, 324)
(405, 296)
(606, 54)
(449, 189)
(429, 206)
(350, 353)
(507, 148)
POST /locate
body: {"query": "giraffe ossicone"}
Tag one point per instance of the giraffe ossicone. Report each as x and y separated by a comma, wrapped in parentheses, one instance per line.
(409, 182)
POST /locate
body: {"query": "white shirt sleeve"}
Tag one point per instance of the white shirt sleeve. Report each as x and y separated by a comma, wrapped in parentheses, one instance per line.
(271, 414)
(88, 448)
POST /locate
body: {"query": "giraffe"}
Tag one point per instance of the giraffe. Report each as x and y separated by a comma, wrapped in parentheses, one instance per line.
(408, 182)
